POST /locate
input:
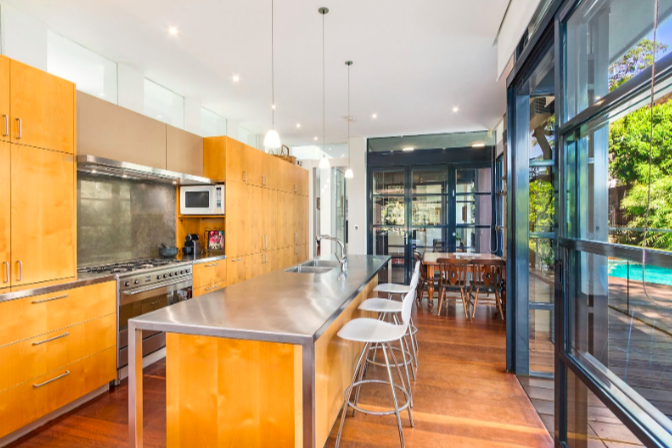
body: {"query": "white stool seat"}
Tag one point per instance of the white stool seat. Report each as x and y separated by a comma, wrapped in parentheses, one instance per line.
(381, 306)
(371, 331)
(392, 288)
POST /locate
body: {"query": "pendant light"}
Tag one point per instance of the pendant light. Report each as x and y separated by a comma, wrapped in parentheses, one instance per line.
(272, 138)
(324, 162)
(348, 173)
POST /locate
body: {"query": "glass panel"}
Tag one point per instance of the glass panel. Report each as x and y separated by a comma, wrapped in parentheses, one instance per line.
(391, 242)
(340, 205)
(92, 73)
(541, 345)
(432, 141)
(615, 324)
(430, 181)
(163, 104)
(542, 275)
(212, 125)
(608, 42)
(474, 180)
(389, 211)
(470, 239)
(473, 209)
(542, 199)
(428, 210)
(590, 423)
(612, 173)
(388, 182)
(429, 240)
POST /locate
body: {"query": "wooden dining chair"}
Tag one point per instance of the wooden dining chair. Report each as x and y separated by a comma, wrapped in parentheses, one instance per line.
(422, 282)
(487, 277)
(453, 278)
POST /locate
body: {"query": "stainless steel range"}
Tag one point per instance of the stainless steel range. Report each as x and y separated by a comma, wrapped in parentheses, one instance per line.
(143, 286)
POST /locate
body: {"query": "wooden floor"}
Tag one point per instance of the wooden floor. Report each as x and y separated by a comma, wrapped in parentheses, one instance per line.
(463, 398)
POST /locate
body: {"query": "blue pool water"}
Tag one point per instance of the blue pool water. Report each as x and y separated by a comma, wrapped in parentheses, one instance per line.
(654, 274)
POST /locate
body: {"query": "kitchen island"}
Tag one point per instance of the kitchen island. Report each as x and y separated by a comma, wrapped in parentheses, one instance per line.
(257, 364)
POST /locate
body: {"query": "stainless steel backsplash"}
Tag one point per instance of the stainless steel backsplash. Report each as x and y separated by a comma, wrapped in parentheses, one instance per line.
(118, 219)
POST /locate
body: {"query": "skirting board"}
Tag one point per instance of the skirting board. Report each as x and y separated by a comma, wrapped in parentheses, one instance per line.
(9, 438)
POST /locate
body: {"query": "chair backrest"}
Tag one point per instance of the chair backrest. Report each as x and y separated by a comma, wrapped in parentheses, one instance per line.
(407, 307)
(453, 271)
(488, 273)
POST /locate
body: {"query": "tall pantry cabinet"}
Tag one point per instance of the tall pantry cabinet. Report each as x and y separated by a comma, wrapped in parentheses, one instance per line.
(266, 201)
(37, 176)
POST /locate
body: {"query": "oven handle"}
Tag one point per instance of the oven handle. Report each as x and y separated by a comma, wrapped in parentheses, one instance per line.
(134, 295)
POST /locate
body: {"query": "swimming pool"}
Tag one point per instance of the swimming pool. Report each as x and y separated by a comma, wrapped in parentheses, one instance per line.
(654, 274)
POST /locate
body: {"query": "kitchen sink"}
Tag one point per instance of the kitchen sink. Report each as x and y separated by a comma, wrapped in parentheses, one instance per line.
(302, 269)
(321, 263)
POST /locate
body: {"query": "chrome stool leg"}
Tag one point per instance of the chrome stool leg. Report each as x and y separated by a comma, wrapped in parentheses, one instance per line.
(394, 396)
(348, 392)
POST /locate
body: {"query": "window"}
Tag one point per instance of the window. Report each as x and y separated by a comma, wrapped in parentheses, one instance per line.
(92, 73)
(212, 125)
(163, 104)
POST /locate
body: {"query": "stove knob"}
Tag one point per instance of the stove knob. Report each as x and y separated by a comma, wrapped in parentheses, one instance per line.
(170, 275)
(136, 282)
(127, 284)
(187, 270)
(177, 273)
(164, 276)
(182, 272)
(158, 277)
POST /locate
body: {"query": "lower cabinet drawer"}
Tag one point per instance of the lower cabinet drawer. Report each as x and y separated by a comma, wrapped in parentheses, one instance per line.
(24, 360)
(36, 315)
(206, 289)
(36, 398)
(206, 274)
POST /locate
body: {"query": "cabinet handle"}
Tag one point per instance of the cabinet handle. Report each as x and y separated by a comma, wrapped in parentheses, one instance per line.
(20, 270)
(52, 339)
(263, 180)
(296, 250)
(210, 288)
(237, 260)
(67, 372)
(6, 271)
(6, 117)
(244, 176)
(264, 239)
(210, 265)
(20, 129)
(296, 238)
(49, 300)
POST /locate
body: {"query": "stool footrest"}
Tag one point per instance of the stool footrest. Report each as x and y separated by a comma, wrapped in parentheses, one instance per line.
(370, 412)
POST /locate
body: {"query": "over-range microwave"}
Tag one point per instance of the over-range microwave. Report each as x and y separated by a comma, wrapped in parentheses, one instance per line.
(202, 200)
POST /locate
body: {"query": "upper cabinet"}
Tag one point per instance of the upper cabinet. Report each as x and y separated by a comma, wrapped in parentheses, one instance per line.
(184, 152)
(214, 157)
(113, 132)
(5, 118)
(42, 109)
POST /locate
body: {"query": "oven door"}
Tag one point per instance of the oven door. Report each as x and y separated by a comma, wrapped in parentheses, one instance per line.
(135, 302)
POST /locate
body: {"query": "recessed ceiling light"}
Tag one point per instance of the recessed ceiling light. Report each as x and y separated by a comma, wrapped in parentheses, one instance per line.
(273, 106)
(408, 149)
(478, 145)
(315, 139)
(374, 116)
(456, 109)
(173, 31)
(298, 125)
(236, 78)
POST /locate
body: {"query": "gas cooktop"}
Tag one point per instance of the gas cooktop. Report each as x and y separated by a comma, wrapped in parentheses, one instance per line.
(128, 266)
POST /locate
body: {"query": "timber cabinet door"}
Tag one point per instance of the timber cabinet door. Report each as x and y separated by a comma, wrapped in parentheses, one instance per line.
(269, 168)
(5, 116)
(5, 200)
(286, 215)
(254, 231)
(235, 161)
(43, 215)
(42, 109)
(270, 219)
(237, 220)
(253, 162)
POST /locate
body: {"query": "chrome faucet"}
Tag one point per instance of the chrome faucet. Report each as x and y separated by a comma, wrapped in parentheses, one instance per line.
(343, 259)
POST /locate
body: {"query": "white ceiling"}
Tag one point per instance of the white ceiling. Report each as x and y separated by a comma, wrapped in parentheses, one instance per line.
(413, 60)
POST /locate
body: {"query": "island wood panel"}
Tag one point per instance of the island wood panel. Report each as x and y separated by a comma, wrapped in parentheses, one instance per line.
(107, 130)
(43, 228)
(31, 358)
(227, 392)
(5, 116)
(26, 403)
(184, 151)
(214, 158)
(5, 200)
(45, 104)
(335, 361)
(21, 318)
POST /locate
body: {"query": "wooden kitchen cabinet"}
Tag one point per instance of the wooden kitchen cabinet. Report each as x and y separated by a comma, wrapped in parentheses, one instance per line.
(42, 109)
(43, 231)
(269, 218)
(209, 273)
(5, 201)
(238, 270)
(253, 161)
(255, 229)
(5, 115)
(184, 152)
(236, 171)
(285, 219)
(214, 157)
(269, 171)
(237, 221)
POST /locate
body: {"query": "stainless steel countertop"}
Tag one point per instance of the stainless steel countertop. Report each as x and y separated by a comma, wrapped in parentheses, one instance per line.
(82, 280)
(278, 307)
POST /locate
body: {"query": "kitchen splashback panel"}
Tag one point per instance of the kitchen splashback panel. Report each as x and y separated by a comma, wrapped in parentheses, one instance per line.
(118, 219)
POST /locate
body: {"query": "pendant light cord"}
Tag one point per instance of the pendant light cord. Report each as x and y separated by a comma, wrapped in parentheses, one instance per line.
(273, 64)
(324, 90)
(349, 114)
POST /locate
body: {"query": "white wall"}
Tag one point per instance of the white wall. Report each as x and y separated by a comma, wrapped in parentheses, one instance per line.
(23, 38)
(192, 115)
(356, 191)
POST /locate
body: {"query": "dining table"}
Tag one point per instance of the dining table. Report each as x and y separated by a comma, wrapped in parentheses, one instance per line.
(430, 261)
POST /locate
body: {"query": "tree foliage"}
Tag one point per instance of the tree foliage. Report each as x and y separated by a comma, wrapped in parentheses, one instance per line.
(633, 62)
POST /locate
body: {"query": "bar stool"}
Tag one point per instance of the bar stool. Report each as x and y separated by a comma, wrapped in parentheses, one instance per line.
(391, 308)
(374, 331)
